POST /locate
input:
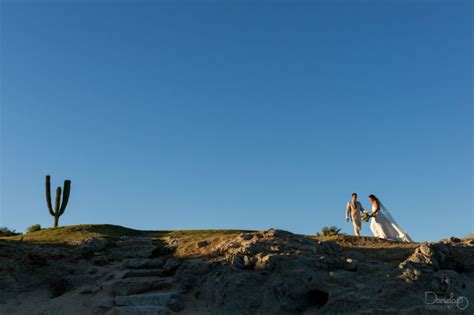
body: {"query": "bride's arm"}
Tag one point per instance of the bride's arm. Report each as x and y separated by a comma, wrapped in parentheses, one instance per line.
(375, 208)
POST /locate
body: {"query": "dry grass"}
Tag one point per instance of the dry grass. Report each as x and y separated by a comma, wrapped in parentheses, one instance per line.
(365, 242)
(72, 233)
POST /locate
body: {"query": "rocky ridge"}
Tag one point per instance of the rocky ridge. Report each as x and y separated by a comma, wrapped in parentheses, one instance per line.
(266, 272)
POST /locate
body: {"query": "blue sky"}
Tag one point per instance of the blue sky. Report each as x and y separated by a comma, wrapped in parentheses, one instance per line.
(238, 114)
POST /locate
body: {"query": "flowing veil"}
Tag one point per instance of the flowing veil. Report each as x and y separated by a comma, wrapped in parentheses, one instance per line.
(402, 234)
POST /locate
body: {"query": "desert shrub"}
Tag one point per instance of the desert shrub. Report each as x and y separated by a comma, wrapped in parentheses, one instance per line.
(4, 231)
(329, 231)
(33, 228)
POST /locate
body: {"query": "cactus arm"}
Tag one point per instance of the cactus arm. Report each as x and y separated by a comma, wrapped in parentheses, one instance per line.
(66, 192)
(48, 195)
(58, 201)
(59, 205)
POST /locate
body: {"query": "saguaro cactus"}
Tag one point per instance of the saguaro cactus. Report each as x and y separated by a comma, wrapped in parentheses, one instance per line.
(58, 206)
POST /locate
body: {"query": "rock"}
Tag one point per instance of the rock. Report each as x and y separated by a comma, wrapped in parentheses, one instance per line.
(134, 242)
(243, 261)
(410, 275)
(269, 262)
(139, 310)
(189, 271)
(275, 248)
(447, 282)
(155, 299)
(350, 264)
(281, 273)
(100, 260)
(249, 262)
(57, 287)
(144, 263)
(425, 250)
(91, 245)
(42, 256)
(143, 251)
(238, 261)
(89, 290)
(172, 264)
(246, 237)
(108, 276)
(135, 286)
(329, 263)
(234, 245)
(393, 290)
(454, 239)
(343, 277)
(423, 259)
(169, 249)
(176, 303)
(468, 266)
(202, 244)
(104, 303)
(275, 233)
(137, 273)
(329, 248)
(92, 270)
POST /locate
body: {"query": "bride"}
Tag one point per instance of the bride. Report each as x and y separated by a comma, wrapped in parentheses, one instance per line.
(383, 225)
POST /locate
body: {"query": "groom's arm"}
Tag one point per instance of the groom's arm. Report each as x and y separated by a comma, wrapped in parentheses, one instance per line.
(348, 209)
(361, 207)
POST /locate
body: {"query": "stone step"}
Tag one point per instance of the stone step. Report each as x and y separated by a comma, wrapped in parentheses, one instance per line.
(137, 273)
(138, 285)
(171, 299)
(136, 251)
(139, 310)
(143, 263)
(159, 298)
(134, 242)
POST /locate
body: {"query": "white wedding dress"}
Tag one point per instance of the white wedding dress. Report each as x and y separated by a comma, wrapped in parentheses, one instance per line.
(383, 225)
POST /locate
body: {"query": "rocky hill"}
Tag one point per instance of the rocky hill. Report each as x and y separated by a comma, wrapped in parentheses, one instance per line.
(114, 270)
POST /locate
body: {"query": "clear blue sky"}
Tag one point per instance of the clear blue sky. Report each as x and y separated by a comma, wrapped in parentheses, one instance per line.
(238, 115)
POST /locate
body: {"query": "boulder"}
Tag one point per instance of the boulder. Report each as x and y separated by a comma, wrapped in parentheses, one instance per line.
(423, 259)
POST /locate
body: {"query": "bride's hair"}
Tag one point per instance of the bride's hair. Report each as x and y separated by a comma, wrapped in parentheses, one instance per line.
(374, 198)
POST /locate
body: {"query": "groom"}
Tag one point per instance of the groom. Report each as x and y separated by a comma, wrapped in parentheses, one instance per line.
(353, 210)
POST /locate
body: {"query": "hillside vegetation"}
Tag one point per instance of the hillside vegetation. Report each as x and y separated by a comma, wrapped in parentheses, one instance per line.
(73, 233)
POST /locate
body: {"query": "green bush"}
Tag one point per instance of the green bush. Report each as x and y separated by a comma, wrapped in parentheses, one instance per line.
(33, 228)
(4, 231)
(329, 231)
